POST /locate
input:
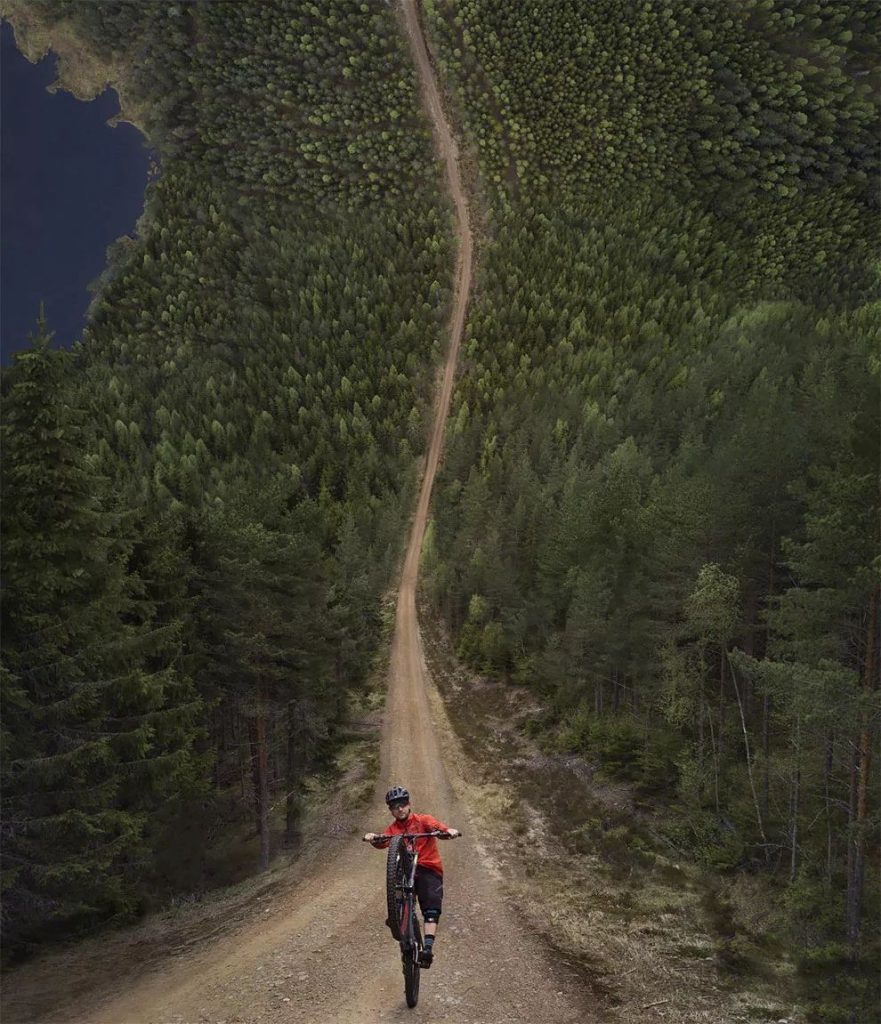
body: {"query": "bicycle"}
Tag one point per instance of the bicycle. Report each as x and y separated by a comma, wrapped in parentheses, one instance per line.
(400, 874)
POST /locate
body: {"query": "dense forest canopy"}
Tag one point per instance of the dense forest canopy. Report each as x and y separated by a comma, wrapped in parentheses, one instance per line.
(204, 501)
(659, 504)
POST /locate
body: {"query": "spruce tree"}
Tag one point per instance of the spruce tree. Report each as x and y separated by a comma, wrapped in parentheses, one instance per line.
(95, 723)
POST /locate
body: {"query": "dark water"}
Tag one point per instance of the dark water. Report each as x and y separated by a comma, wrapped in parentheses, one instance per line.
(69, 186)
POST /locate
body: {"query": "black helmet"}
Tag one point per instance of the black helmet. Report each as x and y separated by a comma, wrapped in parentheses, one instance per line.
(397, 793)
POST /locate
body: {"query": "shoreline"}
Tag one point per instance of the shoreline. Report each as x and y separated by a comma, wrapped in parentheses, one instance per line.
(78, 69)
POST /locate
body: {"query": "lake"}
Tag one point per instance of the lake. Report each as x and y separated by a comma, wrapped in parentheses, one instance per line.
(71, 185)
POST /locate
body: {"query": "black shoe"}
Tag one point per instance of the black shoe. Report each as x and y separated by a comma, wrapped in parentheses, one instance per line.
(388, 922)
(426, 957)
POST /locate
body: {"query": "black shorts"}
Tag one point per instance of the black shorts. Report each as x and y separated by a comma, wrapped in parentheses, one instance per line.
(429, 887)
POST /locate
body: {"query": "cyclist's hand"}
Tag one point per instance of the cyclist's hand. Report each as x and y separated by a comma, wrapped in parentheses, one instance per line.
(452, 833)
(369, 837)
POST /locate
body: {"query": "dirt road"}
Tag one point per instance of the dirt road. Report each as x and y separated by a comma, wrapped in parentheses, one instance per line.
(321, 954)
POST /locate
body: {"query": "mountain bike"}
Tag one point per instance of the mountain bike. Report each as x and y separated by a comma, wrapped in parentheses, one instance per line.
(403, 922)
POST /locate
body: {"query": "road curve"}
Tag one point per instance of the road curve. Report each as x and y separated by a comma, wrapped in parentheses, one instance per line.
(449, 154)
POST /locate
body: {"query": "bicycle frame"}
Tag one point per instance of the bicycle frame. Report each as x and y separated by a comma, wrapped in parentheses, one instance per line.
(412, 942)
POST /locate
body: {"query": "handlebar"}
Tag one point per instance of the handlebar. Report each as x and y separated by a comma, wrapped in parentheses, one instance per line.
(436, 834)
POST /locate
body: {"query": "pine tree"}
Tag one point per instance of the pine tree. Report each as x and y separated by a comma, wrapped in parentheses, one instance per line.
(260, 648)
(95, 717)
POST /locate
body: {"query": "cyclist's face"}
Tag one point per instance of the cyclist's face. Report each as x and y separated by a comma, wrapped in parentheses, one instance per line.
(399, 810)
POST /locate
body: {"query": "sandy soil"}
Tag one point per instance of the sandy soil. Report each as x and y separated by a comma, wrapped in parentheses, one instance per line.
(319, 952)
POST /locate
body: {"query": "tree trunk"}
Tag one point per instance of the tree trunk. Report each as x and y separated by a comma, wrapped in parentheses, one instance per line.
(271, 753)
(748, 646)
(246, 763)
(794, 804)
(862, 771)
(827, 797)
(706, 709)
(766, 714)
(715, 756)
(749, 763)
(218, 742)
(766, 700)
(854, 894)
(701, 739)
(292, 833)
(260, 771)
(723, 661)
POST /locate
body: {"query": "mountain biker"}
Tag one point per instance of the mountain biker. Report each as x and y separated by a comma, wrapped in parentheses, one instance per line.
(429, 881)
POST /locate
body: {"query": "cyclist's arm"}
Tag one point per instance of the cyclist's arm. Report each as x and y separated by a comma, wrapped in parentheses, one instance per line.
(378, 839)
(435, 825)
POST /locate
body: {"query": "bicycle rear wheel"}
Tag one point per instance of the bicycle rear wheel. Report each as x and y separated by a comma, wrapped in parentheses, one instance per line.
(400, 905)
(412, 971)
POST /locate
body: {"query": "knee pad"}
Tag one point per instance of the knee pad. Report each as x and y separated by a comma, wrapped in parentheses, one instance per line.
(431, 916)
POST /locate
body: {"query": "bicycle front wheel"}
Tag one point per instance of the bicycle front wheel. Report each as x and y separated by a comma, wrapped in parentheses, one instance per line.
(400, 904)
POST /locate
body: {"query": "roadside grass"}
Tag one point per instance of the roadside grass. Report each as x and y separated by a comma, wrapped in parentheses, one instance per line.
(587, 864)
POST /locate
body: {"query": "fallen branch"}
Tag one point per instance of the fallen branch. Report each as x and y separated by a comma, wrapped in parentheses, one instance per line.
(660, 1002)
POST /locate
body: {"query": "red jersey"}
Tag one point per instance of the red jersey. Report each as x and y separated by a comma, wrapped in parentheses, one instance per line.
(429, 855)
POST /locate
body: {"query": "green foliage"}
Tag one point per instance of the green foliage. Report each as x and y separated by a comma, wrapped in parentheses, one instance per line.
(282, 100)
(618, 742)
(254, 384)
(661, 469)
(710, 840)
(752, 99)
(712, 609)
(621, 746)
(99, 720)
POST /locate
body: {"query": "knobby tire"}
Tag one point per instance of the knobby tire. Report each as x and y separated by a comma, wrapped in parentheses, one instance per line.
(395, 874)
(412, 970)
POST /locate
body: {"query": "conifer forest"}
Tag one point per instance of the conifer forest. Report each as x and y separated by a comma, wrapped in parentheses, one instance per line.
(658, 505)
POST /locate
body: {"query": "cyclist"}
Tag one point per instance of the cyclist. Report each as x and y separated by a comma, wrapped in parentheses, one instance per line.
(430, 870)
